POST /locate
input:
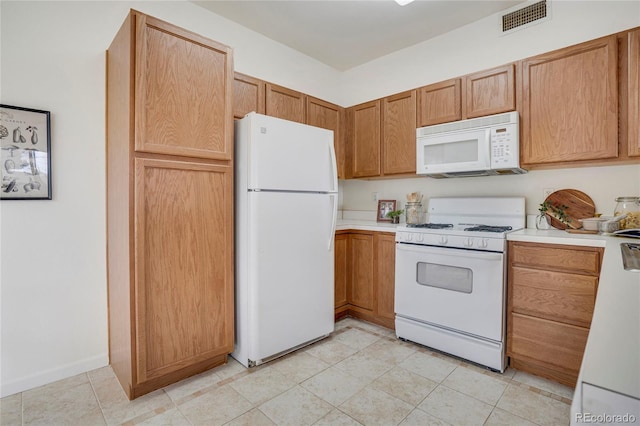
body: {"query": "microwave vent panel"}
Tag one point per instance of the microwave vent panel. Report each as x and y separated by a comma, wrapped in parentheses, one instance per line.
(473, 123)
(533, 13)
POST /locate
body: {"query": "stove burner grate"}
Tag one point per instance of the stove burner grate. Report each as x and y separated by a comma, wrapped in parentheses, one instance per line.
(430, 225)
(489, 228)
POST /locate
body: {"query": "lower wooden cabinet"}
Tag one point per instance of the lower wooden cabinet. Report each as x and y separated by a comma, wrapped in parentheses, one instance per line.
(385, 276)
(362, 257)
(341, 270)
(365, 275)
(184, 301)
(170, 315)
(551, 296)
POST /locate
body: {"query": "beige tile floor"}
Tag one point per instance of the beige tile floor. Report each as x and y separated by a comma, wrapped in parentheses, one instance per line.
(361, 374)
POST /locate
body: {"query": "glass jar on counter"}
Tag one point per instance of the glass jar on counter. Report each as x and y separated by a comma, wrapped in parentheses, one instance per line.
(413, 212)
(630, 206)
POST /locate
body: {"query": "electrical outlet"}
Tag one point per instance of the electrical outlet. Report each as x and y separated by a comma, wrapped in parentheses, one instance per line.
(546, 192)
(374, 196)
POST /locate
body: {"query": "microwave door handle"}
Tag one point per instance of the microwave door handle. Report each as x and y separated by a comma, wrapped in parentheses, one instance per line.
(486, 152)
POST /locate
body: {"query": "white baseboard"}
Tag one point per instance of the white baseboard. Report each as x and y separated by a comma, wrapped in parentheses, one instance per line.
(54, 374)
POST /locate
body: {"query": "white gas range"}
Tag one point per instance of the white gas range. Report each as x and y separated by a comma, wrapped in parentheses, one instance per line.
(451, 275)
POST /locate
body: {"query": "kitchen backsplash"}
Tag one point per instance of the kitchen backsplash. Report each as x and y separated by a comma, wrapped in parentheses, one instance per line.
(602, 184)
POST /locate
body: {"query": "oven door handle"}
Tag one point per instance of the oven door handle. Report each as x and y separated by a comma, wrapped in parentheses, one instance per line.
(473, 254)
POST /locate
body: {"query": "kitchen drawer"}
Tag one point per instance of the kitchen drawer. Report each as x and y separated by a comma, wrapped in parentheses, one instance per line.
(584, 260)
(554, 344)
(558, 296)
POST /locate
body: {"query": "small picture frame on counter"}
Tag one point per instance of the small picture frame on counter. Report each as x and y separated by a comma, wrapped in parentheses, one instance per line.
(25, 156)
(384, 207)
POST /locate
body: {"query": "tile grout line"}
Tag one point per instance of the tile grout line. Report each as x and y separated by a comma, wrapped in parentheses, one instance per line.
(95, 395)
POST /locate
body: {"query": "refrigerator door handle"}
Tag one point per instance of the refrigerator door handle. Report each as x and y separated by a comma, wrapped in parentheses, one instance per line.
(334, 168)
(332, 231)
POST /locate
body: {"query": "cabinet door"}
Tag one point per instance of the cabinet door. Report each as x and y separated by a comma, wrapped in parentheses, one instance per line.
(578, 260)
(399, 133)
(341, 269)
(556, 296)
(183, 94)
(362, 274)
(490, 92)
(439, 103)
(366, 140)
(385, 275)
(284, 103)
(570, 104)
(560, 346)
(633, 92)
(248, 95)
(331, 117)
(184, 295)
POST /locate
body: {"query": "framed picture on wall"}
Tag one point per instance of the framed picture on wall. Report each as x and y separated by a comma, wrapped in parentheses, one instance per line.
(25, 155)
(384, 207)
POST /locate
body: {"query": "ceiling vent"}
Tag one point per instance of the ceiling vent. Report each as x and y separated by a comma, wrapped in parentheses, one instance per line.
(532, 14)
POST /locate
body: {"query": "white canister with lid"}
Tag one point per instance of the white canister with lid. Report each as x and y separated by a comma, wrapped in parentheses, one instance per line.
(631, 207)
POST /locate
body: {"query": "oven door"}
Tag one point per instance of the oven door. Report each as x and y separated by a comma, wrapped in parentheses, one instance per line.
(456, 289)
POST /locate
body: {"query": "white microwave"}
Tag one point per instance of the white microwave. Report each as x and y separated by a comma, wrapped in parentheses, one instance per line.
(476, 147)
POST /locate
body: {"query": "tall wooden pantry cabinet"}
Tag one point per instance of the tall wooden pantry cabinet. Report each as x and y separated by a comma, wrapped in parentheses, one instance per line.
(169, 203)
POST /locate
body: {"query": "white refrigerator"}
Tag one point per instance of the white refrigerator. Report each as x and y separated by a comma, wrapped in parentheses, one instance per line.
(286, 207)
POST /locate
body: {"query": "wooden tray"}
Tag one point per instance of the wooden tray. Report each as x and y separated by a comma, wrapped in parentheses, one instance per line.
(578, 206)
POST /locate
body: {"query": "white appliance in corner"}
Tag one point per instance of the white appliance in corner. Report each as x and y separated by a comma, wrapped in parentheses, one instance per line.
(286, 208)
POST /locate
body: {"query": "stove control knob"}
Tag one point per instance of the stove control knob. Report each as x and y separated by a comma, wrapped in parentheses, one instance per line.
(420, 238)
(468, 242)
(443, 239)
(409, 237)
(484, 243)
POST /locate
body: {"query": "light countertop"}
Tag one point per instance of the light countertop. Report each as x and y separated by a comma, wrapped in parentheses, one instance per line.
(612, 355)
(364, 225)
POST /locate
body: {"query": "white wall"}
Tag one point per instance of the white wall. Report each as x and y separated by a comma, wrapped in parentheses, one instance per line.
(52, 270)
(53, 313)
(479, 46)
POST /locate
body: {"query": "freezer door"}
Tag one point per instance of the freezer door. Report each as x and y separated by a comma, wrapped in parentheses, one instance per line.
(290, 277)
(283, 155)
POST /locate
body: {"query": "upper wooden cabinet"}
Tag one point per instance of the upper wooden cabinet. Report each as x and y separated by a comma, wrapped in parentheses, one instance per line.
(284, 103)
(183, 89)
(365, 144)
(383, 136)
(329, 116)
(570, 104)
(248, 95)
(439, 103)
(475, 95)
(399, 133)
(633, 92)
(490, 92)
